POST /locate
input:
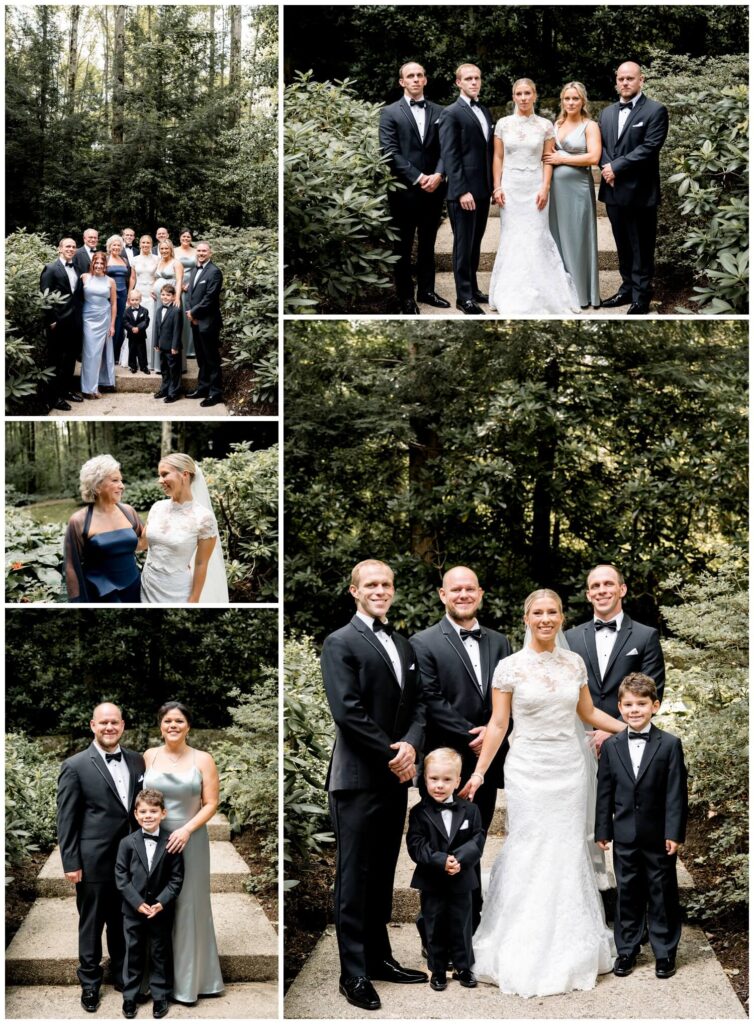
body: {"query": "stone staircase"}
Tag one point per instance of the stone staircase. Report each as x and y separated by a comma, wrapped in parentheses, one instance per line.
(699, 990)
(41, 961)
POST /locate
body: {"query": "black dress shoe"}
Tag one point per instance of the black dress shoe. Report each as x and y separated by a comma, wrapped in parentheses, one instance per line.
(480, 297)
(638, 309)
(438, 981)
(159, 1008)
(172, 398)
(665, 967)
(212, 400)
(409, 307)
(619, 299)
(197, 394)
(391, 970)
(624, 965)
(466, 978)
(159, 394)
(74, 396)
(470, 308)
(90, 999)
(132, 369)
(433, 299)
(129, 1008)
(147, 371)
(62, 405)
(360, 992)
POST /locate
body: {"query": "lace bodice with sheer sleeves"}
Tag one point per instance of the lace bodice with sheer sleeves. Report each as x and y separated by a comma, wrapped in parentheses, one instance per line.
(524, 139)
(173, 530)
(543, 930)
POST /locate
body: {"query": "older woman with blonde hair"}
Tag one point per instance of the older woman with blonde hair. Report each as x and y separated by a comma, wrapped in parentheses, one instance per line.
(101, 539)
(124, 276)
(184, 560)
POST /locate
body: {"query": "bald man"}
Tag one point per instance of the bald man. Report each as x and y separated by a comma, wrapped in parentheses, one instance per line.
(633, 133)
(96, 792)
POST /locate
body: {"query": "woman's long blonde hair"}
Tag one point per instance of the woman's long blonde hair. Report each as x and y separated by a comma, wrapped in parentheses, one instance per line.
(580, 89)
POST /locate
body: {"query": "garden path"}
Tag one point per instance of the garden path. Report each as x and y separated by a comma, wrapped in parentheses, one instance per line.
(699, 990)
(40, 969)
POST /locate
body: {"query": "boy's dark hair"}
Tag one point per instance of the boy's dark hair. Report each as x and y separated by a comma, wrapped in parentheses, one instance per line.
(169, 288)
(151, 797)
(639, 685)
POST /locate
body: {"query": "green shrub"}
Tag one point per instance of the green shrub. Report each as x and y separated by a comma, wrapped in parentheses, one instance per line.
(337, 222)
(308, 737)
(244, 491)
(33, 559)
(142, 494)
(30, 799)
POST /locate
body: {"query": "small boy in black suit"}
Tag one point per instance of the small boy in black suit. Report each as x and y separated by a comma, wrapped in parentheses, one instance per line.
(149, 879)
(136, 321)
(642, 804)
(445, 839)
(167, 338)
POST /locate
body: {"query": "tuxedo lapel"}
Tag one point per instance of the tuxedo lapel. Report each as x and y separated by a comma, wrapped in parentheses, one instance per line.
(407, 114)
(653, 745)
(484, 656)
(435, 819)
(99, 766)
(455, 822)
(470, 113)
(590, 643)
(372, 640)
(141, 849)
(159, 852)
(133, 772)
(621, 142)
(624, 634)
(457, 644)
(625, 756)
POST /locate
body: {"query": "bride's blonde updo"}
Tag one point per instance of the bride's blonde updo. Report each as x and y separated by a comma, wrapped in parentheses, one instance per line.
(537, 595)
(523, 81)
(182, 462)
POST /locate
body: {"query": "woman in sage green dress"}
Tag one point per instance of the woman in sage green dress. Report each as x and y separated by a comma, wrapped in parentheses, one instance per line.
(186, 254)
(189, 781)
(573, 209)
(169, 270)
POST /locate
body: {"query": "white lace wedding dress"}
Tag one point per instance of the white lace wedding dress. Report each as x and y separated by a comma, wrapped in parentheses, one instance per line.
(173, 531)
(528, 277)
(543, 929)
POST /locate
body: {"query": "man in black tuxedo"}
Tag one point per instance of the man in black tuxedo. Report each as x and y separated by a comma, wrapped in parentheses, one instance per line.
(372, 688)
(83, 256)
(466, 132)
(63, 323)
(409, 136)
(633, 133)
(130, 248)
(203, 310)
(96, 792)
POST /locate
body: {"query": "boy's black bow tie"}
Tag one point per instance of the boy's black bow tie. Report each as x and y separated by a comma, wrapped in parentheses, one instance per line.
(638, 735)
(148, 836)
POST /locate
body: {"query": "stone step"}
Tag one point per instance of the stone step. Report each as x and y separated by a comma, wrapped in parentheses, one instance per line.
(125, 381)
(229, 872)
(240, 1001)
(45, 948)
(139, 405)
(499, 823)
(218, 828)
(700, 990)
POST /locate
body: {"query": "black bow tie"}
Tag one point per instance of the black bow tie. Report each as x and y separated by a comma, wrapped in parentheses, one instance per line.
(474, 103)
(444, 807)
(418, 103)
(638, 736)
(113, 757)
(599, 624)
(626, 106)
(148, 836)
(475, 633)
(69, 264)
(382, 627)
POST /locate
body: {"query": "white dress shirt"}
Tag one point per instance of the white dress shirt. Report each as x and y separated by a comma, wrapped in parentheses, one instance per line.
(477, 111)
(388, 643)
(623, 115)
(472, 648)
(636, 748)
(447, 816)
(151, 848)
(419, 114)
(70, 274)
(605, 640)
(118, 770)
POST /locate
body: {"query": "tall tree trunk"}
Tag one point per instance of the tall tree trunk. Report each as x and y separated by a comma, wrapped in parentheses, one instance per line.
(166, 442)
(235, 61)
(119, 65)
(544, 569)
(73, 41)
(212, 51)
(424, 448)
(44, 89)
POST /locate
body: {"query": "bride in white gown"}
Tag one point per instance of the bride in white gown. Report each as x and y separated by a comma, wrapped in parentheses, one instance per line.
(543, 929)
(184, 555)
(528, 276)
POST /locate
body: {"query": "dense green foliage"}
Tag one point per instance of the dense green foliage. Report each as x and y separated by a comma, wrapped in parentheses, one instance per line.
(27, 368)
(30, 786)
(307, 736)
(525, 450)
(59, 666)
(158, 116)
(551, 44)
(337, 223)
(704, 218)
(33, 559)
(707, 659)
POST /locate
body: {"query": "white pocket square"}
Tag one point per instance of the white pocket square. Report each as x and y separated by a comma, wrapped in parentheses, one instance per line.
(464, 824)
(633, 651)
(639, 124)
(140, 778)
(412, 666)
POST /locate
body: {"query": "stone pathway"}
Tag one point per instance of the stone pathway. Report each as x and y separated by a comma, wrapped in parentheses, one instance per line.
(40, 966)
(699, 990)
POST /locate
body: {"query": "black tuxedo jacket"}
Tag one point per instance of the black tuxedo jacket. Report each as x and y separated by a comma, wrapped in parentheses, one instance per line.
(54, 279)
(137, 884)
(410, 156)
(450, 691)
(649, 808)
(138, 318)
(429, 845)
(91, 818)
(370, 709)
(635, 156)
(131, 251)
(204, 299)
(467, 157)
(82, 260)
(636, 649)
(168, 329)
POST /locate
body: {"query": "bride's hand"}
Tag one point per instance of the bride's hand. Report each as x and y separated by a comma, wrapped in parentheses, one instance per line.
(498, 197)
(541, 199)
(177, 840)
(468, 791)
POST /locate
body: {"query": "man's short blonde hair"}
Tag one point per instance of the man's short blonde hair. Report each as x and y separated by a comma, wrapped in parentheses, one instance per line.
(466, 64)
(356, 571)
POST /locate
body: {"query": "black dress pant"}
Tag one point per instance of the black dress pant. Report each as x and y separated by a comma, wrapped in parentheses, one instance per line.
(63, 349)
(647, 885)
(415, 213)
(635, 233)
(447, 923)
(170, 367)
(137, 351)
(100, 906)
(142, 935)
(206, 335)
(368, 827)
(468, 229)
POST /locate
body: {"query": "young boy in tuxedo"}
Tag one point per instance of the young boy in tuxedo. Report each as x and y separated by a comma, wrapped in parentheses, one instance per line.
(149, 880)
(642, 805)
(445, 839)
(136, 321)
(167, 338)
